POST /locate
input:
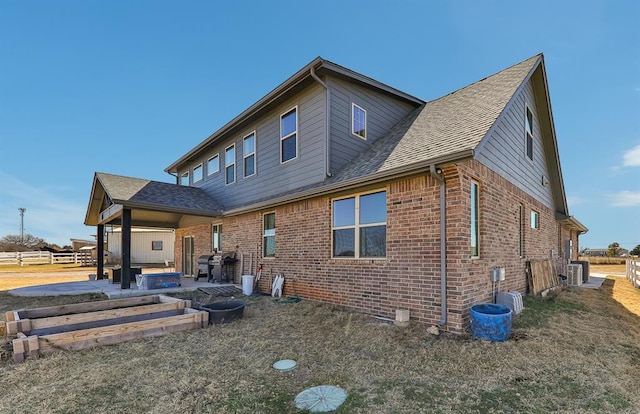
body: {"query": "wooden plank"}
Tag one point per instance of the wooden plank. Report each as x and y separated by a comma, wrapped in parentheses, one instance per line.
(102, 315)
(19, 347)
(33, 347)
(86, 307)
(118, 333)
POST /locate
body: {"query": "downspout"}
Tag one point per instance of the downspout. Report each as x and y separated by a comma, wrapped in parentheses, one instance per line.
(177, 178)
(327, 141)
(443, 244)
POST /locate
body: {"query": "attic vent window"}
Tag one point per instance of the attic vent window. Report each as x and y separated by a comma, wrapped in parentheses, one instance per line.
(529, 134)
(359, 121)
(289, 135)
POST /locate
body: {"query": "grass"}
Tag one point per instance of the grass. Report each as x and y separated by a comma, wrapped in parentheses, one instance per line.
(578, 351)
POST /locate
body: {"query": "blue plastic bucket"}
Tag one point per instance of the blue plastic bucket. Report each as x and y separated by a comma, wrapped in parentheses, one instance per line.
(491, 322)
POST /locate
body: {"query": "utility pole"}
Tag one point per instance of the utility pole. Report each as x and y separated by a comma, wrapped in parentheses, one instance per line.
(22, 210)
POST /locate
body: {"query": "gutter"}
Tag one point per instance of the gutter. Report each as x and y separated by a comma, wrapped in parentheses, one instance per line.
(443, 244)
(327, 138)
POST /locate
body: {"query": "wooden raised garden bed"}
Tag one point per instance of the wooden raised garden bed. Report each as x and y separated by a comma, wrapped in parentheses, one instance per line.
(84, 325)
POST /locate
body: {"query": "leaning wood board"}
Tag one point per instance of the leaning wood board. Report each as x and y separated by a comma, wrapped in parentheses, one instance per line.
(542, 276)
(102, 323)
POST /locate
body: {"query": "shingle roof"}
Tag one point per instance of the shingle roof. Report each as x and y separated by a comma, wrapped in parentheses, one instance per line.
(156, 194)
(449, 125)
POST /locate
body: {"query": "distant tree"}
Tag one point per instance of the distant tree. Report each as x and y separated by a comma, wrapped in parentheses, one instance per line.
(635, 251)
(614, 249)
(16, 243)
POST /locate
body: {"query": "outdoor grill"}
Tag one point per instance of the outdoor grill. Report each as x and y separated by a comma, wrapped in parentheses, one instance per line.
(206, 266)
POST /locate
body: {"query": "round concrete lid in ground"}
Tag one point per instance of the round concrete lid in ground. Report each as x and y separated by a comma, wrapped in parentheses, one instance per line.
(320, 399)
(285, 365)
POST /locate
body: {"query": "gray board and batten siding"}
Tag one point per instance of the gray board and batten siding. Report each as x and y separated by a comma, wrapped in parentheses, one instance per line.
(504, 151)
(383, 112)
(271, 176)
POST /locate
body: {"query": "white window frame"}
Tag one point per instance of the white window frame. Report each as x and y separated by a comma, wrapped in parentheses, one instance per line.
(474, 218)
(265, 235)
(233, 164)
(185, 177)
(357, 226)
(528, 135)
(254, 153)
(198, 177)
(295, 132)
(216, 228)
(209, 163)
(353, 120)
(534, 220)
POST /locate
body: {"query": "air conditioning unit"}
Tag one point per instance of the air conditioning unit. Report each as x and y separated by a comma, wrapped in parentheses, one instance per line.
(574, 274)
(512, 300)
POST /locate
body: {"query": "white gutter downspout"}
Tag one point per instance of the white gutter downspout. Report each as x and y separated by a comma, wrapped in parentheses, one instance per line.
(327, 141)
(443, 244)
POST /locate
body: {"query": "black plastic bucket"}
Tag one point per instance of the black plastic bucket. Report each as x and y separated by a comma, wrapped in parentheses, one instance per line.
(224, 312)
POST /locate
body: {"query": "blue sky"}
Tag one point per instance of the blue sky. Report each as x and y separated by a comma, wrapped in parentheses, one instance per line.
(127, 87)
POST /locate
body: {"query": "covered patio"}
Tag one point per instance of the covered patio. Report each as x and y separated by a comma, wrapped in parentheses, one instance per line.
(134, 202)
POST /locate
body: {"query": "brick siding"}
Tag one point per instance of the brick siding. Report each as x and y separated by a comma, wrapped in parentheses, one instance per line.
(409, 276)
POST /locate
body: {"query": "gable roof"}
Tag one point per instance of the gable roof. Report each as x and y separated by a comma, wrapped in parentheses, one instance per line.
(154, 202)
(301, 78)
(443, 130)
(446, 128)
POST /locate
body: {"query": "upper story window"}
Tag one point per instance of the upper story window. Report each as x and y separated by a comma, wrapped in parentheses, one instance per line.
(213, 165)
(529, 134)
(475, 213)
(269, 235)
(358, 121)
(535, 220)
(249, 154)
(198, 174)
(230, 164)
(184, 178)
(289, 135)
(360, 226)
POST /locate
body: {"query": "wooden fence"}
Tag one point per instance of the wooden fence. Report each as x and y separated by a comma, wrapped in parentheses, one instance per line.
(633, 271)
(44, 257)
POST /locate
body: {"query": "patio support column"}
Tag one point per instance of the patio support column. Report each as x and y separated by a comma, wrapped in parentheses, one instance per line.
(126, 249)
(100, 252)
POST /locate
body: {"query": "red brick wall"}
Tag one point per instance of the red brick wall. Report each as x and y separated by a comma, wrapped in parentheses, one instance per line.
(409, 277)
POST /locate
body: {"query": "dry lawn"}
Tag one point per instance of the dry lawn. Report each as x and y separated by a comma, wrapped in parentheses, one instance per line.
(576, 352)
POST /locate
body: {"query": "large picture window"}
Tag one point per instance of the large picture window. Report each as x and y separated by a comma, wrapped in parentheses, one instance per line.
(360, 226)
(249, 154)
(289, 135)
(230, 164)
(269, 235)
(475, 210)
